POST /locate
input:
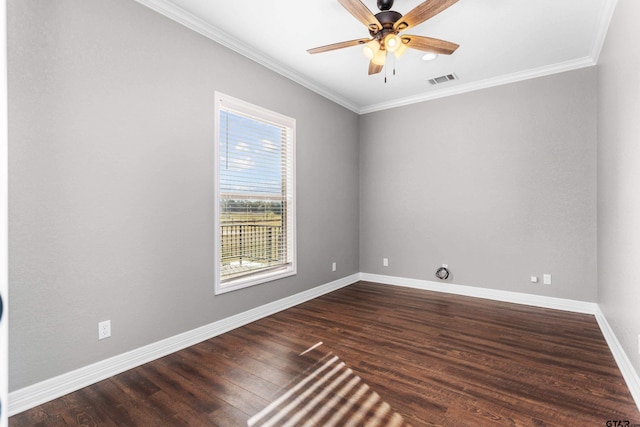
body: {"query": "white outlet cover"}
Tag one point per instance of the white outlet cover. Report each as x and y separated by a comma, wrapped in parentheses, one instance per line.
(385, 262)
(104, 329)
(546, 279)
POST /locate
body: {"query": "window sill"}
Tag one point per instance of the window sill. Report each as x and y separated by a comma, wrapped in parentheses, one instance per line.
(257, 279)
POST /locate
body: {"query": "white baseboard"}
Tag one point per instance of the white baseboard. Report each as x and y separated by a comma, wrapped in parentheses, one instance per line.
(37, 394)
(45, 391)
(492, 294)
(624, 364)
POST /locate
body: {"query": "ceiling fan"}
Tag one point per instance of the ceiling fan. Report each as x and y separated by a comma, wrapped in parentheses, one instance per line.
(385, 27)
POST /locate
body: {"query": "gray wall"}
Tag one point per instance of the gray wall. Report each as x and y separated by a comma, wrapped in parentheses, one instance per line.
(111, 169)
(110, 193)
(619, 177)
(499, 184)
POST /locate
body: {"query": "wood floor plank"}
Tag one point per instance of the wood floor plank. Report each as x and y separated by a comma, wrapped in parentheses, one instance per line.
(44, 415)
(217, 382)
(437, 359)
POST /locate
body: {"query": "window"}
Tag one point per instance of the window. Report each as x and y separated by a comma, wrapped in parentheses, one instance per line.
(254, 195)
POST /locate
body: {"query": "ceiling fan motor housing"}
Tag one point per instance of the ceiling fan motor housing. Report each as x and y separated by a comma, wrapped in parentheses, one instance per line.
(385, 4)
(386, 18)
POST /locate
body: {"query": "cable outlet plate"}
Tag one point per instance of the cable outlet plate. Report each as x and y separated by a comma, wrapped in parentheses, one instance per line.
(104, 329)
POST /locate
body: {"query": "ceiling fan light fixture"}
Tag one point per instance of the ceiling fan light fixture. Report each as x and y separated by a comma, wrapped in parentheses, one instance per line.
(392, 42)
(380, 57)
(384, 28)
(370, 49)
(401, 49)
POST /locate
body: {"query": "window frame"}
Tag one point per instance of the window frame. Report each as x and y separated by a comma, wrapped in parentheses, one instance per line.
(225, 102)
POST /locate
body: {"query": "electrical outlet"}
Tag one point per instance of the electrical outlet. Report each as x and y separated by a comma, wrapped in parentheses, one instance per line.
(334, 266)
(385, 262)
(546, 279)
(104, 329)
(534, 279)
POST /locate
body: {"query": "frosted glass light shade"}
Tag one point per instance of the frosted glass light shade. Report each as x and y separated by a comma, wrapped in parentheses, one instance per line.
(380, 57)
(371, 48)
(401, 50)
(392, 42)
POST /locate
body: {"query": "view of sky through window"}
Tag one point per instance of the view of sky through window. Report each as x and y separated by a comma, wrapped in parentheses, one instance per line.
(250, 156)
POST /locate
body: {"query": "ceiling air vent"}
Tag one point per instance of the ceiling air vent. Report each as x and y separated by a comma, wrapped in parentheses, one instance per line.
(443, 79)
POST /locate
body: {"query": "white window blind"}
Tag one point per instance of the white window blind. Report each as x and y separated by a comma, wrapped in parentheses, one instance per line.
(255, 194)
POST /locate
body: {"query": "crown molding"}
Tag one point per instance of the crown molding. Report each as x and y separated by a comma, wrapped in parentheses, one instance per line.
(603, 27)
(483, 84)
(181, 16)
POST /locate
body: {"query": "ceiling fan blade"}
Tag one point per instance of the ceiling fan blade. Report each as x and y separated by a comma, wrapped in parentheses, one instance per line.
(362, 14)
(340, 45)
(429, 44)
(374, 69)
(421, 13)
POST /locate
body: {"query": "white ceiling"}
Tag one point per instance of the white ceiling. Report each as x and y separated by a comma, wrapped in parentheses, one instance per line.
(501, 41)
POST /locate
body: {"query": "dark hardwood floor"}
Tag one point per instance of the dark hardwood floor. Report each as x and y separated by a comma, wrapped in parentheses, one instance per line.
(437, 359)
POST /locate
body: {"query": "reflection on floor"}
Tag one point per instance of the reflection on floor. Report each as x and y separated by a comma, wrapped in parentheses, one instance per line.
(328, 394)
